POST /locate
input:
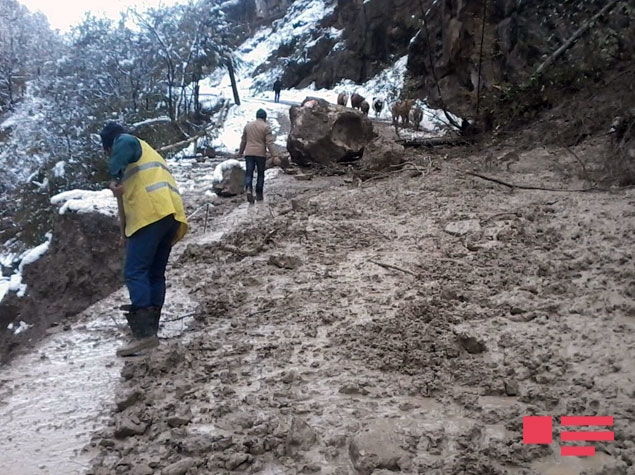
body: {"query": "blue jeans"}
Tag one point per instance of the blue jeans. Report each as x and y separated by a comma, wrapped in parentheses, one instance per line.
(147, 253)
(276, 96)
(255, 162)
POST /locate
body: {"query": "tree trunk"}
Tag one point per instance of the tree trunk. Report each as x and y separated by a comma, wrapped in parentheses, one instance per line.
(232, 78)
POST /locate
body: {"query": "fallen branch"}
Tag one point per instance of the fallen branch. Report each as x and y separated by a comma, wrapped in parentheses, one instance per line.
(390, 266)
(187, 315)
(182, 143)
(253, 314)
(498, 215)
(584, 170)
(237, 251)
(432, 142)
(403, 165)
(530, 187)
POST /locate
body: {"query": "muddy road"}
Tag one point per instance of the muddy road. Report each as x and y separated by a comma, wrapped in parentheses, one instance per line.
(404, 324)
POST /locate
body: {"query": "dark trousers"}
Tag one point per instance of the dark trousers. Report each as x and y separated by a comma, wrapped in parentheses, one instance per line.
(252, 162)
(276, 96)
(147, 253)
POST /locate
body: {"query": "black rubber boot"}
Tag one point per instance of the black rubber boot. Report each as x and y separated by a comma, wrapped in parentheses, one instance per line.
(259, 196)
(157, 318)
(142, 326)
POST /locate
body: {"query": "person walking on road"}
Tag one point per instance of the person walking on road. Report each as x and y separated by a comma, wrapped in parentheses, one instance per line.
(152, 220)
(277, 87)
(257, 138)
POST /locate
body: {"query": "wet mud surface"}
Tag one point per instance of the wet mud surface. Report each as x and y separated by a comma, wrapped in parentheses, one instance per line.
(404, 325)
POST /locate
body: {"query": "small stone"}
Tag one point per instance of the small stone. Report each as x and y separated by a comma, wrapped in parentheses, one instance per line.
(143, 469)
(516, 311)
(311, 468)
(407, 406)
(353, 389)
(511, 387)
(127, 427)
(471, 344)
(460, 228)
(127, 400)
(180, 467)
(290, 376)
(236, 460)
(178, 421)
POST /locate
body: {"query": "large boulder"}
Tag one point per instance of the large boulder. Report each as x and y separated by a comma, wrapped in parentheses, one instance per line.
(229, 178)
(323, 133)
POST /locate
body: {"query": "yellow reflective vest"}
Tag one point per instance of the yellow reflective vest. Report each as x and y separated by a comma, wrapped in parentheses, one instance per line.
(150, 193)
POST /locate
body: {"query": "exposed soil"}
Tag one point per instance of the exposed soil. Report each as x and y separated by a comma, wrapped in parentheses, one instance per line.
(404, 324)
(83, 265)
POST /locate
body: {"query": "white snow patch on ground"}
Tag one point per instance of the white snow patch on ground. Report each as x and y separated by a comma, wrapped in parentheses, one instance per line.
(59, 170)
(86, 201)
(19, 327)
(14, 282)
(34, 254)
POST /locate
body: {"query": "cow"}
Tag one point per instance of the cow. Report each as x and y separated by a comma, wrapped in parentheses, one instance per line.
(342, 99)
(401, 109)
(356, 101)
(416, 115)
(365, 107)
(378, 105)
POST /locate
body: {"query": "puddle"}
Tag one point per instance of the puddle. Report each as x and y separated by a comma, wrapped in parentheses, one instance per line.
(52, 399)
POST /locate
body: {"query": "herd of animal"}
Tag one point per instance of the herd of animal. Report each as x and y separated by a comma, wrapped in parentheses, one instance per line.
(404, 112)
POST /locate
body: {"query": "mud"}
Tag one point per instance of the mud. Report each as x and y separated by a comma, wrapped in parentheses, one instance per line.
(342, 329)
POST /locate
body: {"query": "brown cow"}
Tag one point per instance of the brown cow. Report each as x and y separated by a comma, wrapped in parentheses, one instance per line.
(356, 101)
(416, 115)
(365, 107)
(401, 109)
(342, 99)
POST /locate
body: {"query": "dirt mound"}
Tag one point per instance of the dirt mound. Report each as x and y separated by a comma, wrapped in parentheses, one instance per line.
(83, 265)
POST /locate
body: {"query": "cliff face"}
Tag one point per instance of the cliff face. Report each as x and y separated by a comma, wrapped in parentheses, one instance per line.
(466, 46)
(518, 37)
(374, 34)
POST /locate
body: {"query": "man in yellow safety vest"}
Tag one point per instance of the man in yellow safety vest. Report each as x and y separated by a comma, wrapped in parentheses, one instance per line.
(152, 220)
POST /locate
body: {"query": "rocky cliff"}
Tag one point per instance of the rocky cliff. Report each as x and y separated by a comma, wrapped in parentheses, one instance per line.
(479, 59)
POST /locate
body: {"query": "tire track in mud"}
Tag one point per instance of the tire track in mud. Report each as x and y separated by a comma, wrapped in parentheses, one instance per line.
(307, 357)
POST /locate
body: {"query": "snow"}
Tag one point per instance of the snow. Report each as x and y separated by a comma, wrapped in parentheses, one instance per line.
(5, 284)
(86, 201)
(34, 254)
(13, 283)
(18, 328)
(59, 170)
(155, 120)
(217, 177)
